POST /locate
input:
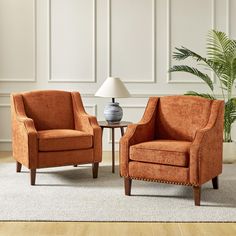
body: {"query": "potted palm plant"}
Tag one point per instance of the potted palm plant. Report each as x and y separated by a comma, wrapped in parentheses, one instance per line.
(221, 59)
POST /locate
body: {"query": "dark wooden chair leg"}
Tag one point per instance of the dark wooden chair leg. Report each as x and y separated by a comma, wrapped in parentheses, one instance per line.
(127, 183)
(215, 182)
(18, 166)
(197, 195)
(32, 176)
(75, 165)
(95, 170)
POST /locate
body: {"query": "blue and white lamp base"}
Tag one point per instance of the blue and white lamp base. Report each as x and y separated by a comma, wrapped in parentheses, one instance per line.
(113, 112)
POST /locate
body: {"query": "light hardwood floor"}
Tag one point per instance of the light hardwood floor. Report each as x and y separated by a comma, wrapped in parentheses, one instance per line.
(111, 229)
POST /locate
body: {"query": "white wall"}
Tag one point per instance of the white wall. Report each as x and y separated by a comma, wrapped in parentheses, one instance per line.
(76, 44)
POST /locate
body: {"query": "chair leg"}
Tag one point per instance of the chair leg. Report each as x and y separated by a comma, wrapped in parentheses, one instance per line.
(215, 182)
(18, 166)
(95, 169)
(75, 165)
(127, 183)
(32, 176)
(197, 195)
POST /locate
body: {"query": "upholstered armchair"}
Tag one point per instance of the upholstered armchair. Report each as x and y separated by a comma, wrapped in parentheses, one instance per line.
(51, 128)
(178, 141)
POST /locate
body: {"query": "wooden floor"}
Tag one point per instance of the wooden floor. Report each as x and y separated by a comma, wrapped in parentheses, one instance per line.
(115, 229)
(111, 229)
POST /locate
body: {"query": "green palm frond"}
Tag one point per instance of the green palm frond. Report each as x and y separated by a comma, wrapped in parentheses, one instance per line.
(228, 75)
(229, 117)
(233, 69)
(219, 46)
(221, 50)
(221, 59)
(193, 71)
(217, 67)
(183, 53)
(204, 95)
(226, 82)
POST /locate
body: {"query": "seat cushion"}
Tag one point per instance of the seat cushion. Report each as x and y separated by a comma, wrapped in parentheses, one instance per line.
(166, 152)
(64, 139)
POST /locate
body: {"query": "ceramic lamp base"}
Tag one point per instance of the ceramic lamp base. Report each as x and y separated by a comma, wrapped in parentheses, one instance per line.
(113, 112)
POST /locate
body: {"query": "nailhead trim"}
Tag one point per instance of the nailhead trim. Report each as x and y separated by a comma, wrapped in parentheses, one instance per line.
(163, 181)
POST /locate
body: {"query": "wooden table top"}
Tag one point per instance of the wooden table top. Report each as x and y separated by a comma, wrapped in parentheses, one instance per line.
(121, 124)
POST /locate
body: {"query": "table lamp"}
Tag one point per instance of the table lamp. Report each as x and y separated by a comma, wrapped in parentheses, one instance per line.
(113, 88)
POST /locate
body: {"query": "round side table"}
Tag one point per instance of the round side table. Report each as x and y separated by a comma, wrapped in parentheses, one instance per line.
(121, 126)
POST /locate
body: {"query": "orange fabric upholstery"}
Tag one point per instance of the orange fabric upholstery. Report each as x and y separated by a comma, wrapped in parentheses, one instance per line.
(138, 133)
(49, 109)
(171, 113)
(64, 158)
(143, 171)
(51, 128)
(166, 152)
(24, 134)
(63, 139)
(179, 140)
(88, 124)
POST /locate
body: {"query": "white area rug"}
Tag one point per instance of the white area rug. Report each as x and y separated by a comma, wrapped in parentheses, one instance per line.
(71, 194)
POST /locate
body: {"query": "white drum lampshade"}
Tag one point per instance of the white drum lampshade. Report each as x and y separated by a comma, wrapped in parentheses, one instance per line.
(113, 88)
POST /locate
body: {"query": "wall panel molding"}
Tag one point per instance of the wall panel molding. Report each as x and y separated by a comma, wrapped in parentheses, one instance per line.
(228, 4)
(5, 105)
(5, 140)
(109, 44)
(34, 78)
(134, 95)
(94, 108)
(4, 94)
(51, 79)
(170, 80)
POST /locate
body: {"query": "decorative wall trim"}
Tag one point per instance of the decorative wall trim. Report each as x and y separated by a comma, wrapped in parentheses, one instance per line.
(94, 60)
(94, 107)
(228, 15)
(134, 95)
(186, 81)
(4, 94)
(34, 79)
(109, 40)
(5, 140)
(133, 106)
(147, 95)
(5, 105)
(124, 106)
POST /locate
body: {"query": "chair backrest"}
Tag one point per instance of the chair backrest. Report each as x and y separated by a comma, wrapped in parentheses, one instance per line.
(178, 117)
(50, 109)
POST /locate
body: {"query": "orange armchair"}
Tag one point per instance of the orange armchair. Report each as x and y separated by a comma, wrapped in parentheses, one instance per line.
(51, 128)
(179, 141)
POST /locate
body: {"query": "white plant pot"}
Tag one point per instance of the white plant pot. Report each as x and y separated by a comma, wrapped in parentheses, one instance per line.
(229, 152)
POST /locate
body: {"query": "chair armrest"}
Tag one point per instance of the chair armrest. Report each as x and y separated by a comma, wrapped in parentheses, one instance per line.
(24, 135)
(206, 148)
(28, 124)
(137, 133)
(88, 124)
